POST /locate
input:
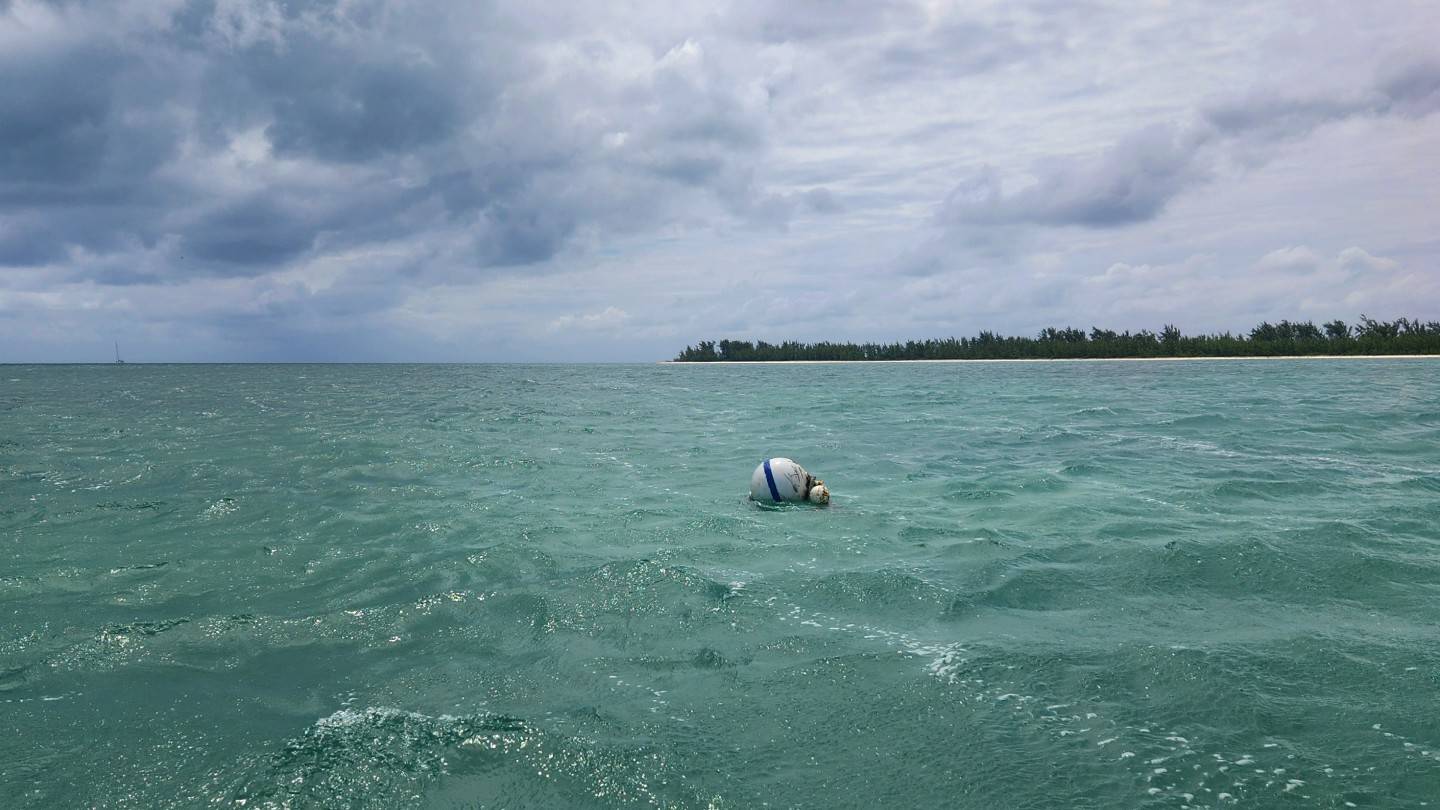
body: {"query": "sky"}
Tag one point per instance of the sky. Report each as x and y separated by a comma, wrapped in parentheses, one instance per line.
(395, 180)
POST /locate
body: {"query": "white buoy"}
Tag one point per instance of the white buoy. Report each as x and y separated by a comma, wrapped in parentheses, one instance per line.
(780, 480)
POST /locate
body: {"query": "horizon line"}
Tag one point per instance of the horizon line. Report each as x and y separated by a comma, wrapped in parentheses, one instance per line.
(112, 364)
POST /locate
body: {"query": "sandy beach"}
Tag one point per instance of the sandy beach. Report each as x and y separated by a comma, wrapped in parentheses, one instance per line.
(1060, 360)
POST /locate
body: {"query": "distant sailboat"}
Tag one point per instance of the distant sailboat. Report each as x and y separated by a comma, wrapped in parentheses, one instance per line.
(117, 354)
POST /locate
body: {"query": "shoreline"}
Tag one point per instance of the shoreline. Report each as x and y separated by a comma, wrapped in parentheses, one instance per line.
(1053, 360)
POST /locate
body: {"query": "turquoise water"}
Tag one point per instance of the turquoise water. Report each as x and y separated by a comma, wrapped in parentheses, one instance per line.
(1165, 584)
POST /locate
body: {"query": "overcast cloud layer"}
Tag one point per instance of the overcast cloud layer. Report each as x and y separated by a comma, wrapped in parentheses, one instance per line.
(395, 180)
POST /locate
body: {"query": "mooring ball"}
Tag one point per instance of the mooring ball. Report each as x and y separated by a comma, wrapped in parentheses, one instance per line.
(779, 480)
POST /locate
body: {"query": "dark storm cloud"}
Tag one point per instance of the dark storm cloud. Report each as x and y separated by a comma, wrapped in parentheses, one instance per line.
(1415, 89)
(1411, 91)
(340, 88)
(523, 234)
(1137, 177)
(48, 234)
(56, 113)
(1130, 182)
(371, 124)
(84, 125)
(349, 107)
(257, 230)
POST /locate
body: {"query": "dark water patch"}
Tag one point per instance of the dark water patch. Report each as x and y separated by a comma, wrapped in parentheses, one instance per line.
(154, 628)
(1032, 587)
(1351, 561)
(962, 494)
(870, 591)
(1243, 489)
(705, 658)
(1241, 568)
(721, 526)
(1421, 483)
(642, 518)
(1334, 534)
(140, 506)
(14, 583)
(1198, 726)
(896, 750)
(615, 583)
(1324, 429)
(1149, 532)
(1043, 484)
(1415, 524)
(708, 658)
(795, 645)
(140, 567)
(640, 598)
(970, 551)
(13, 678)
(1363, 574)
(931, 534)
(517, 562)
(1053, 436)
(999, 535)
(529, 612)
(1084, 469)
(238, 620)
(389, 757)
(353, 758)
(73, 652)
(1199, 420)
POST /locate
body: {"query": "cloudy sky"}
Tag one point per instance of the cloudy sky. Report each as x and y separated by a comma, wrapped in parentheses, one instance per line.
(398, 180)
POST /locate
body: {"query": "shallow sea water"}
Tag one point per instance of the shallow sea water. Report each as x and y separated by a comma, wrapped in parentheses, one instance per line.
(1160, 584)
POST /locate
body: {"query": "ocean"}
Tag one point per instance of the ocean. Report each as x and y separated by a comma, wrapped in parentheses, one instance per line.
(1104, 584)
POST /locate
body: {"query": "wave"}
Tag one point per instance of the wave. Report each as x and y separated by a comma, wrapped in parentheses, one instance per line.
(384, 756)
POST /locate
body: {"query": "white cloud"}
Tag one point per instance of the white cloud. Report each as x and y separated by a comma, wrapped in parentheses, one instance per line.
(1356, 260)
(606, 320)
(1290, 260)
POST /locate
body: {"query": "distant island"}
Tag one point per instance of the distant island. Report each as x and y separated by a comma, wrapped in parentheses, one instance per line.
(1283, 339)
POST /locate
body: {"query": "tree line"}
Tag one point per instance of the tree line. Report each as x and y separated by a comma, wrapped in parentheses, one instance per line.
(1286, 338)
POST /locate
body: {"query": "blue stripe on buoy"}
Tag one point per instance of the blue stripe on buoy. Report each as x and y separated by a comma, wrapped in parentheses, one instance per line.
(770, 479)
